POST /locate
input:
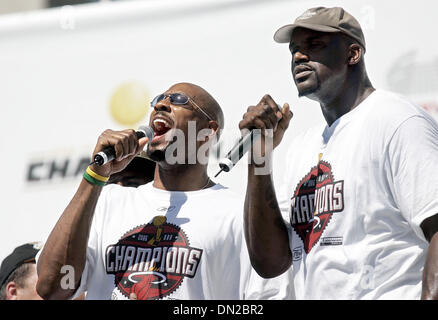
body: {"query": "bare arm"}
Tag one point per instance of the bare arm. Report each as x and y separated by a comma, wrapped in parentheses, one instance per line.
(265, 232)
(67, 243)
(430, 273)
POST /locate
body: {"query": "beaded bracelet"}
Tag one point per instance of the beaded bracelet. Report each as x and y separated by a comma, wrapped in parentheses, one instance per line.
(95, 178)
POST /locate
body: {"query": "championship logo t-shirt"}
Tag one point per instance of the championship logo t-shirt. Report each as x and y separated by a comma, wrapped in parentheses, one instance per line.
(354, 197)
(146, 243)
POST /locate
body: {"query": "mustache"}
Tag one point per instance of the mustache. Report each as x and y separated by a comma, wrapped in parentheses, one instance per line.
(163, 114)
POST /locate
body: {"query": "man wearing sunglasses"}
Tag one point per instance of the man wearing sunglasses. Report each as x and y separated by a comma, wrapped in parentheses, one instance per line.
(178, 237)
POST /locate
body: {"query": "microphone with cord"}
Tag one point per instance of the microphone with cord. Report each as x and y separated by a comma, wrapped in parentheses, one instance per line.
(238, 151)
(108, 154)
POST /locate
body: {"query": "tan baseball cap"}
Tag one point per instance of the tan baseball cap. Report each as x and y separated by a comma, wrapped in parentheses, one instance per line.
(324, 20)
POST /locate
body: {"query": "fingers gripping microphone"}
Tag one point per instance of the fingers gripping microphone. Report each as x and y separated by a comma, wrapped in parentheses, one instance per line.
(108, 154)
(243, 145)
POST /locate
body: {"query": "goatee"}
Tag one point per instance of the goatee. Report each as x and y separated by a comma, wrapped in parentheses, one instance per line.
(156, 155)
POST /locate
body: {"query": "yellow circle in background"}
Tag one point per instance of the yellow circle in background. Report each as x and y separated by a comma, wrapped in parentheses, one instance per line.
(129, 103)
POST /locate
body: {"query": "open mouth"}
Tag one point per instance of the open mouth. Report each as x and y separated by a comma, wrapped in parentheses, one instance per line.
(161, 126)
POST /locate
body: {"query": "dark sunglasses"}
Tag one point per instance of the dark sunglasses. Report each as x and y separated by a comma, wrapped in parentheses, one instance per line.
(178, 99)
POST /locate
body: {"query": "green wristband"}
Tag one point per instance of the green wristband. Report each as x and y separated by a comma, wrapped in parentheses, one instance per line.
(91, 180)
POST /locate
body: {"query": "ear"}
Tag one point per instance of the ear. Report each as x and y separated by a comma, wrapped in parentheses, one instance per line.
(354, 54)
(214, 127)
(11, 291)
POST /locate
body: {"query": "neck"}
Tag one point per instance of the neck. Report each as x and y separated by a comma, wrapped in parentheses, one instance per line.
(356, 88)
(189, 177)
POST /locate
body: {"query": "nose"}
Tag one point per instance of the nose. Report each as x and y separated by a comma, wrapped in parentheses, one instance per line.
(163, 105)
(299, 56)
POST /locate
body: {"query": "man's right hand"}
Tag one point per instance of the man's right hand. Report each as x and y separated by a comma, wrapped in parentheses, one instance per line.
(126, 146)
(67, 243)
(265, 232)
(267, 115)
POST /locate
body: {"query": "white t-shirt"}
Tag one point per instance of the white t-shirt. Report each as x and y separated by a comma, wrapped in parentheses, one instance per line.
(354, 197)
(172, 245)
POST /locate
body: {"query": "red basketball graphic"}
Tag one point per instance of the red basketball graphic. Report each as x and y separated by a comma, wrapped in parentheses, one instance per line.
(316, 197)
(152, 260)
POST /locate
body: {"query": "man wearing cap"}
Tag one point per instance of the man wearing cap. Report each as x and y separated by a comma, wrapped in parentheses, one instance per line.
(356, 216)
(18, 276)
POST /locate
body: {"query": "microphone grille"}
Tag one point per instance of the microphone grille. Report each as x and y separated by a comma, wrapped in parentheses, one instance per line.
(148, 131)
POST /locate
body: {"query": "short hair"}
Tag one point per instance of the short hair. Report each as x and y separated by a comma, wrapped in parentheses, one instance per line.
(19, 276)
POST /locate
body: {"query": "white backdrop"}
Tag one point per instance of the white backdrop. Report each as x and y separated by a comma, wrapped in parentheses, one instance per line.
(60, 69)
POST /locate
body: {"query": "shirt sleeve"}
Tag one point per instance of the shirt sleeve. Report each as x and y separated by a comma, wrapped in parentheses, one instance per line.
(413, 159)
(255, 287)
(283, 200)
(282, 191)
(278, 288)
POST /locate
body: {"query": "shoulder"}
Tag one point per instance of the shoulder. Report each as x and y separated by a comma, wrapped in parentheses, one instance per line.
(225, 198)
(227, 201)
(115, 192)
(304, 139)
(227, 192)
(396, 108)
(304, 136)
(389, 111)
(113, 197)
(390, 97)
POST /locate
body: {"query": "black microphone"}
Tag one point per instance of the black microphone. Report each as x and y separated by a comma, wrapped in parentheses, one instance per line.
(242, 146)
(109, 154)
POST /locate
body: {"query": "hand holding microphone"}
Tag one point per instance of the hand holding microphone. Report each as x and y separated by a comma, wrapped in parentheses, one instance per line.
(115, 149)
(109, 154)
(265, 115)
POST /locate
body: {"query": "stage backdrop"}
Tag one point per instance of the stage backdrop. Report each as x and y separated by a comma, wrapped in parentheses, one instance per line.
(69, 73)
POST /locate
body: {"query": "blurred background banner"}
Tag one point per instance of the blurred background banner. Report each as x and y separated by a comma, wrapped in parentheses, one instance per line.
(68, 73)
